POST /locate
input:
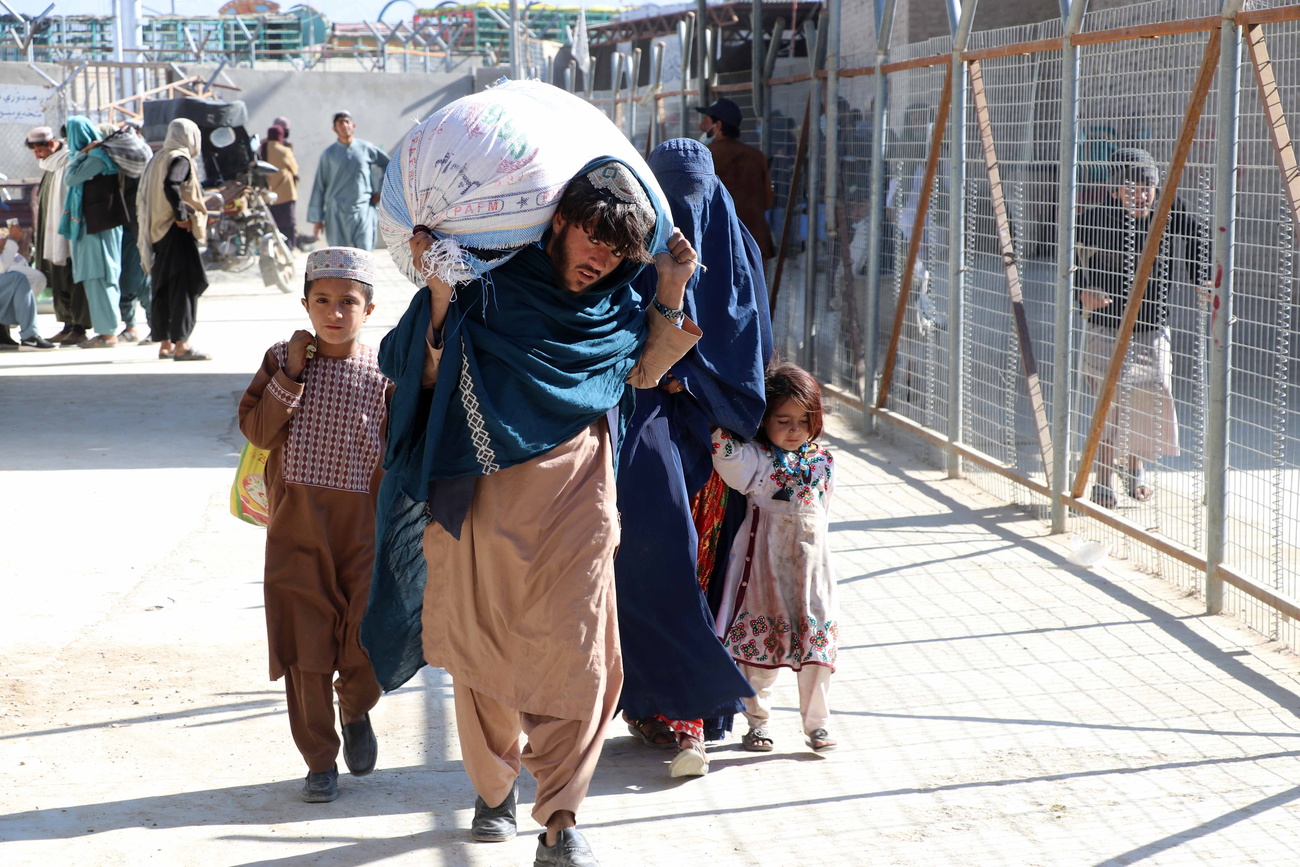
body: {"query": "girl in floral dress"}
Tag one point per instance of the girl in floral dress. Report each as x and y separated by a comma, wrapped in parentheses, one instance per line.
(779, 606)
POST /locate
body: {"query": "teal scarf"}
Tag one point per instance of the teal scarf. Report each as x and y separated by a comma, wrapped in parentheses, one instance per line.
(81, 132)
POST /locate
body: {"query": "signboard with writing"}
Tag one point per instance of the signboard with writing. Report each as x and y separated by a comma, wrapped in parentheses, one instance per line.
(24, 104)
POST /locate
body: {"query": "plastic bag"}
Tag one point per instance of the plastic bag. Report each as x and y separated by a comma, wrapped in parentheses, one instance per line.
(487, 170)
(248, 500)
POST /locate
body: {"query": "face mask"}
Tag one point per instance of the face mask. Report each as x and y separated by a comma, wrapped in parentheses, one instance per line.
(706, 138)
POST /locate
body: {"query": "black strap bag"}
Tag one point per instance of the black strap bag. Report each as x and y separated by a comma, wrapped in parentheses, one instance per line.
(103, 203)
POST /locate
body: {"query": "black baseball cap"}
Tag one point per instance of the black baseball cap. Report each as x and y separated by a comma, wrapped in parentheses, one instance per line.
(724, 110)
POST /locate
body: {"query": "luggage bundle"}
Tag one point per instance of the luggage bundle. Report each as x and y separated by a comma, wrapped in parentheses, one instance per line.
(484, 173)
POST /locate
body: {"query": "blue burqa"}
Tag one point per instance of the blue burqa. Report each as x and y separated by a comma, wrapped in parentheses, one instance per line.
(673, 663)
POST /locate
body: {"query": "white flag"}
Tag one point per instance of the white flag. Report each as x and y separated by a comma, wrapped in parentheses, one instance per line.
(580, 52)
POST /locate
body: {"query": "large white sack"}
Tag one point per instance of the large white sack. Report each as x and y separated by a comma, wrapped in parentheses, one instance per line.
(486, 170)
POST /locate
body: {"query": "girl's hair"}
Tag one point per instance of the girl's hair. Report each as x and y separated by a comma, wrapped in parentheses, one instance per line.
(791, 381)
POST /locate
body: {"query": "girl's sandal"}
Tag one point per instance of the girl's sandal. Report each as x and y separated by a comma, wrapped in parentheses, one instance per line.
(820, 741)
(757, 740)
(653, 732)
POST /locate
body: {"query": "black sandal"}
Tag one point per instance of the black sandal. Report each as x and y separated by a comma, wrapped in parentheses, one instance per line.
(757, 740)
(653, 732)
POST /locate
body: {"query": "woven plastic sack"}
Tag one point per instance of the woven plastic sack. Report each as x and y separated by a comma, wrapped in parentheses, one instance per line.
(248, 501)
(486, 170)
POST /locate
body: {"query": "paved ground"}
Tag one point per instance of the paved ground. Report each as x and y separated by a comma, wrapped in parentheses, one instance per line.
(996, 705)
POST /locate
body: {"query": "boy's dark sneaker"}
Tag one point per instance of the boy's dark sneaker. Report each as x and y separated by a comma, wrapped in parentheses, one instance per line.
(570, 850)
(321, 787)
(360, 749)
(495, 824)
(36, 342)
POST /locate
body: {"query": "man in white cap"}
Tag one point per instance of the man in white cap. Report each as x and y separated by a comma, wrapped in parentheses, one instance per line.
(318, 406)
(346, 190)
(50, 253)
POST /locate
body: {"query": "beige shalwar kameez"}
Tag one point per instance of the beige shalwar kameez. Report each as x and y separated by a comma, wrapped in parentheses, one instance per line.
(521, 610)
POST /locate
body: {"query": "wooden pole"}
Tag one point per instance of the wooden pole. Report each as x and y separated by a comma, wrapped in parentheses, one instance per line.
(918, 229)
(1011, 266)
(795, 177)
(1159, 220)
(1275, 117)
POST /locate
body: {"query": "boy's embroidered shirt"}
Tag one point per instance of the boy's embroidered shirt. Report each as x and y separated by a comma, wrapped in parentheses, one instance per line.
(335, 434)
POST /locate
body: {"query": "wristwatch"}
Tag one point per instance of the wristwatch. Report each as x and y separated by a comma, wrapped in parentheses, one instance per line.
(672, 314)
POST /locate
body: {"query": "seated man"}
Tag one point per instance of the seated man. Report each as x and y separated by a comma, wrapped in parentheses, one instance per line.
(19, 286)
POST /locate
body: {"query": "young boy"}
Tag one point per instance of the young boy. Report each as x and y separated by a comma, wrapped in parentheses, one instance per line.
(319, 404)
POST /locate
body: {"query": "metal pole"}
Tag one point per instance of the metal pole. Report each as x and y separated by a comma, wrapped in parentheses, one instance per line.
(631, 94)
(760, 85)
(1062, 395)
(514, 39)
(833, 117)
(959, 17)
(684, 37)
(702, 49)
(871, 307)
(812, 35)
(756, 64)
(1220, 355)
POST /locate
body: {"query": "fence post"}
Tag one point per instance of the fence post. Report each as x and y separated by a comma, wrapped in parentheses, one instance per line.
(760, 84)
(814, 37)
(959, 15)
(832, 114)
(879, 116)
(1062, 395)
(1220, 355)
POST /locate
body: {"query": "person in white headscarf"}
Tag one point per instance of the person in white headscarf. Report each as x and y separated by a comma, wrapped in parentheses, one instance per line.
(173, 225)
(50, 251)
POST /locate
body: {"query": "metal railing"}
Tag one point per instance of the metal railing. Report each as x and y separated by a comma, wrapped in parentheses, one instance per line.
(929, 273)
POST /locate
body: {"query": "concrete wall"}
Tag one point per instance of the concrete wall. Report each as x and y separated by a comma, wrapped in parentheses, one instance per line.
(385, 106)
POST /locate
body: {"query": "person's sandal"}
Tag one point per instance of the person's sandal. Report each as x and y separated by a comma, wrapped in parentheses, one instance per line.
(757, 740)
(821, 742)
(1104, 496)
(690, 761)
(1138, 485)
(653, 732)
(99, 341)
(190, 355)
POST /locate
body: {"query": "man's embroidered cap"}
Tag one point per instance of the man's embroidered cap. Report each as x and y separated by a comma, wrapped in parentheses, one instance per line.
(618, 181)
(346, 262)
(40, 135)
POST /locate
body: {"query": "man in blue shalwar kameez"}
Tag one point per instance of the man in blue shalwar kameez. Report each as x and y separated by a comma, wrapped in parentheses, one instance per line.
(346, 190)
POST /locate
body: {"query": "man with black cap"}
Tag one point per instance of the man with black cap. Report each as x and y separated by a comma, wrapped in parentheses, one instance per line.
(741, 168)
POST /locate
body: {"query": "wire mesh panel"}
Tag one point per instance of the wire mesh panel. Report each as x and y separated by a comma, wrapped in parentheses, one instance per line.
(1263, 495)
(1149, 463)
(786, 118)
(919, 388)
(848, 246)
(1019, 97)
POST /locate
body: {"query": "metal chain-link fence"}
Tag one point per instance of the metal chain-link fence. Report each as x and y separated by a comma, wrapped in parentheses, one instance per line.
(1020, 183)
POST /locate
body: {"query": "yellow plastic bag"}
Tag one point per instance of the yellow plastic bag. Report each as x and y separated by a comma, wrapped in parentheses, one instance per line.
(248, 501)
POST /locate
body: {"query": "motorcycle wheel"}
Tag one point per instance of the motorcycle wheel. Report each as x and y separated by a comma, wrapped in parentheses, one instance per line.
(277, 262)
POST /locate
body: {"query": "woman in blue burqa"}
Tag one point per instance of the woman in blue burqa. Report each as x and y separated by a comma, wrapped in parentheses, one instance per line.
(677, 676)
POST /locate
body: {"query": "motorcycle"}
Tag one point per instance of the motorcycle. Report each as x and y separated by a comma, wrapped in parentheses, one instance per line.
(241, 230)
